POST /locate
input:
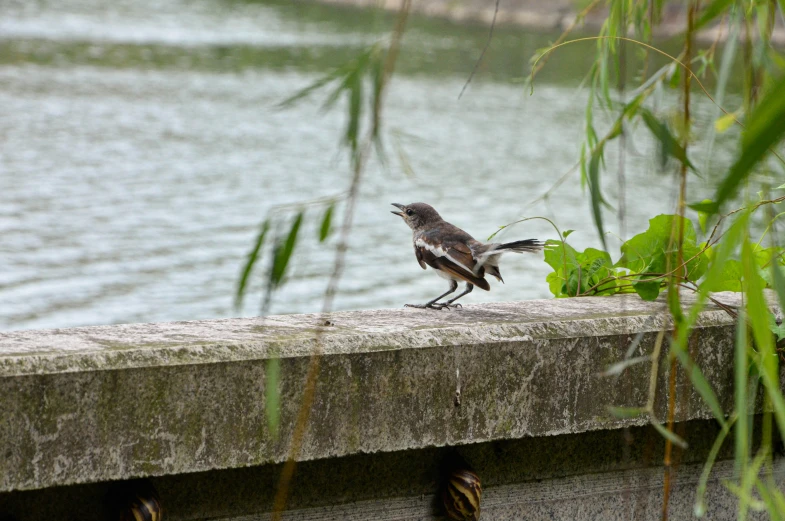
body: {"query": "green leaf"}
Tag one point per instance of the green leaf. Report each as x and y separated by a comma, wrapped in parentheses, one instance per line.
(272, 395)
(719, 274)
(566, 233)
(354, 84)
(668, 144)
(596, 195)
(653, 252)
(324, 229)
(668, 435)
(707, 206)
(648, 291)
(283, 252)
(742, 447)
(557, 254)
(712, 12)
(757, 309)
(700, 494)
(778, 279)
(703, 217)
(765, 128)
(253, 256)
(724, 123)
(575, 273)
(731, 277)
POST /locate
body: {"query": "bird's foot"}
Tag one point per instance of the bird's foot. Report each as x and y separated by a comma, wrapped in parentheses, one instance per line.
(433, 305)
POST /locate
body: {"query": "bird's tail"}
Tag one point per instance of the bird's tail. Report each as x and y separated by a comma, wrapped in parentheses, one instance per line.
(529, 245)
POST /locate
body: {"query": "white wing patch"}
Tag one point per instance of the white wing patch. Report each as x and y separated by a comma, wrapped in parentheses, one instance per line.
(439, 252)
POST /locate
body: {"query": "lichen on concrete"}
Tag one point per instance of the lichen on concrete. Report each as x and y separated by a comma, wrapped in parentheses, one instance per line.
(111, 402)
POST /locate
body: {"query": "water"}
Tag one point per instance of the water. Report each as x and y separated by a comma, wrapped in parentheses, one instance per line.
(142, 147)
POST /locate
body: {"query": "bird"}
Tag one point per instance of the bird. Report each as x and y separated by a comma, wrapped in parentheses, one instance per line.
(454, 254)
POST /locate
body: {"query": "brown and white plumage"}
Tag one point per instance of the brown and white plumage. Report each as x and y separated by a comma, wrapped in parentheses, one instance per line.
(453, 253)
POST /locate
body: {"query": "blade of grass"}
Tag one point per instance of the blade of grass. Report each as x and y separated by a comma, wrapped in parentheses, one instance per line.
(283, 252)
(742, 446)
(253, 256)
(700, 495)
(668, 435)
(324, 229)
(272, 395)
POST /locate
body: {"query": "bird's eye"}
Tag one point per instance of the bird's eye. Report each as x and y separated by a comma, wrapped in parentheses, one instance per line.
(409, 212)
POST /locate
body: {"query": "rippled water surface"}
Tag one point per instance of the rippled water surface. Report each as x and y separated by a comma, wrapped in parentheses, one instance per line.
(142, 146)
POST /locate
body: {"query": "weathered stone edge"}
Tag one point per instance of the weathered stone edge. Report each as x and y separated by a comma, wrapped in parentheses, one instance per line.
(304, 343)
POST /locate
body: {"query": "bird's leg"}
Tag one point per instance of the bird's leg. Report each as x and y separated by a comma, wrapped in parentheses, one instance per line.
(469, 288)
(433, 304)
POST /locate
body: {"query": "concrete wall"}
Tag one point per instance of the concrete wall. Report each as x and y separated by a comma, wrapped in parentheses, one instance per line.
(184, 404)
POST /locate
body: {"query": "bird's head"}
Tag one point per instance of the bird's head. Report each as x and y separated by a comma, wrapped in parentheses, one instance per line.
(417, 215)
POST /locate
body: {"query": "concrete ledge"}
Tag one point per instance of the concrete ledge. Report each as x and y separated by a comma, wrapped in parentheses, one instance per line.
(94, 404)
(607, 475)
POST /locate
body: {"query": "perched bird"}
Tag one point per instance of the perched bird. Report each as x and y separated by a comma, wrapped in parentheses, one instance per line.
(453, 253)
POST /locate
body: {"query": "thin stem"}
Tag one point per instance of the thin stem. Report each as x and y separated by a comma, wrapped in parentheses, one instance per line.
(674, 286)
(309, 392)
(578, 18)
(484, 50)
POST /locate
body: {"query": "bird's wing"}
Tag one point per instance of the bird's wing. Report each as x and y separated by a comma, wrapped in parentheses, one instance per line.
(452, 260)
(418, 254)
(458, 253)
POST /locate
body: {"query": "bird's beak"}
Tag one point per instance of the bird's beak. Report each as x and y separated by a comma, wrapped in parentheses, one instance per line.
(400, 214)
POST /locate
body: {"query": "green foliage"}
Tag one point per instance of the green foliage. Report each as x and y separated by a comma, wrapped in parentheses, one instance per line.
(253, 256)
(282, 252)
(324, 229)
(655, 253)
(646, 261)
(668, 144)
(272, 395)
(765, 129)
(351, 81)
(578, 273)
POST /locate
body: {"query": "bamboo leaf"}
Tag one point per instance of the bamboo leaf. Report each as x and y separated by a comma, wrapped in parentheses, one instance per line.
(748, 480)
(724, 123)
(324, 229)
(283, 252)
(596, 195)
(272, 395)
(773, 498)
(668, 144)
(619, 367)
(778, 278)
(253, 256)
(757, 309)
(700, 504)
(712, 12)
(764, 130)
(740, 393)
(701, 385)
(665, 433)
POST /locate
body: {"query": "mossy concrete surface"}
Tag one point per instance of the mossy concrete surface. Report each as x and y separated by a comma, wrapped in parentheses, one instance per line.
(94, 404)
(599, 475)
